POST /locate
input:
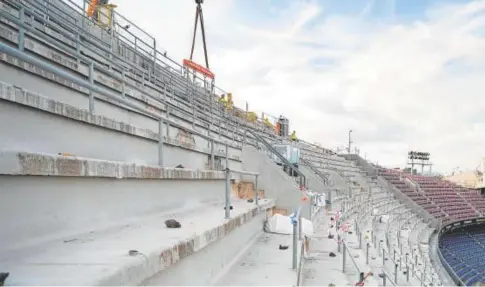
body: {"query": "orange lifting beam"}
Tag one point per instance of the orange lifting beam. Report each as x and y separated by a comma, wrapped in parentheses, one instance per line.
(188, 62)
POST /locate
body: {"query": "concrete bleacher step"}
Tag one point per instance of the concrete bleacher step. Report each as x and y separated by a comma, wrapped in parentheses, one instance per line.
(78, 218)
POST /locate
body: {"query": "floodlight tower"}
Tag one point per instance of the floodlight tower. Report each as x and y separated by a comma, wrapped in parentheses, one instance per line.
(419, 158)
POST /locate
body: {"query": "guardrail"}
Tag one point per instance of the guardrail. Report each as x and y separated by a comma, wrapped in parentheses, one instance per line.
(346, 250)
(280, 156)
(418, 209)
(54, 18)
(315, 170)
(103, 91)
(386, 277)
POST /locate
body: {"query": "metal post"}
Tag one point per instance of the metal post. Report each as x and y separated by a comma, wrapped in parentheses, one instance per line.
(21, 38)
(295, 242)
(91, 94)
(407, 273)
(227, 155)
(212, 154)
(123, 92)
(160, 143)
(300, 227)
(395, 273)
(228, 194)
(339, 244)
(383, 257)
(360, 239)
(256, 192)
(78, 48)
(394, 256)
(367, 254)
(384, 280)
(416, 260)
(343, 258)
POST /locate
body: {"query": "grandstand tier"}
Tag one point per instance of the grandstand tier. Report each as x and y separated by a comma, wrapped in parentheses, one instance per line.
(105, 138)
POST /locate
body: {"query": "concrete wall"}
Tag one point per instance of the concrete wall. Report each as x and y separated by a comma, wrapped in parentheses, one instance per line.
(276, 184)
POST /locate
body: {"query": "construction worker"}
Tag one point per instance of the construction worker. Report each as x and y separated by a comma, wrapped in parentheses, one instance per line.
(293, 136)
(267, 123)
(223, 101)
(277, 128)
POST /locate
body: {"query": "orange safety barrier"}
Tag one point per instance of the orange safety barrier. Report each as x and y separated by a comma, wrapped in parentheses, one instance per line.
(92, 7)
(204, 71)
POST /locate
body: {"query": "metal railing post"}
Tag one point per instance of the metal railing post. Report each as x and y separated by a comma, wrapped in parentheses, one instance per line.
(227, 156)
(367, 254)
(383, 257)
(123, 92)
(384, 280)
(91, 94)
(395, 273)
(160, 143)
(256, 191)
(227, 211)
(78, 48)
(295, 242)
(343, 257)
(300, 227)
(21, 38)
(407, 273)
(212, 154)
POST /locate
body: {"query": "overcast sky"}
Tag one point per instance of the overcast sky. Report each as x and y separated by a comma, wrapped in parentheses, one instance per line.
(404, 74)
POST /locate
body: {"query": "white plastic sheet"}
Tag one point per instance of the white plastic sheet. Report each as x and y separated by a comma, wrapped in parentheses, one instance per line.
(282, 224)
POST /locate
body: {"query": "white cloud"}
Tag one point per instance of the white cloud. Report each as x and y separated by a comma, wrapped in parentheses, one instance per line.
(400, 86)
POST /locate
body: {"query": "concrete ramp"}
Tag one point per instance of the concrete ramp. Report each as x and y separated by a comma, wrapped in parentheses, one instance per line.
(273, 180)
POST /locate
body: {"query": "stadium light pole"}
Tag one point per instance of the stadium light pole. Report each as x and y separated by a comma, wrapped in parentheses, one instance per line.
(350, 141)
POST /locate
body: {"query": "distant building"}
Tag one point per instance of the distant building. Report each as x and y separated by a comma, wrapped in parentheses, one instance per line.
(467, 179)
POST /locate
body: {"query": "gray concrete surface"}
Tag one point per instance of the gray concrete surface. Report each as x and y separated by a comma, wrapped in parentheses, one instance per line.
(102, 258)
(275, 182)
(264, 264)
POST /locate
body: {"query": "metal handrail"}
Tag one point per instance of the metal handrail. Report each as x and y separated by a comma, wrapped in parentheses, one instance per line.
(417, 208)
(351, 257)
(299, 273)
(281, 157)
(102, 69)
(387, 277)
(315, 170)
(86, 34)
(100, 90)
(98, 66)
